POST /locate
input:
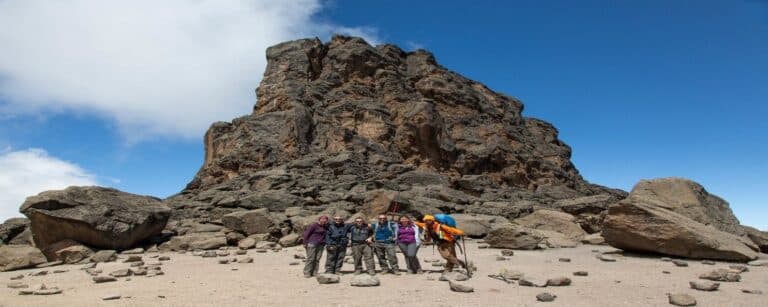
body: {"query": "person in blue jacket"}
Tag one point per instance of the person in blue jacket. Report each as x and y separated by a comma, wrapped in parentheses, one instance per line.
(336, 240)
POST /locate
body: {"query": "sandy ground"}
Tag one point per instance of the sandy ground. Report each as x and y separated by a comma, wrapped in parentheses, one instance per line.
(270, 281)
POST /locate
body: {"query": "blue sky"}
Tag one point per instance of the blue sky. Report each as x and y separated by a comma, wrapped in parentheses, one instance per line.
(638, 90)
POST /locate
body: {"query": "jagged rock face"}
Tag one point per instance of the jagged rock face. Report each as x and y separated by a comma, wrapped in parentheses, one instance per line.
(347, 127)
(388, 107)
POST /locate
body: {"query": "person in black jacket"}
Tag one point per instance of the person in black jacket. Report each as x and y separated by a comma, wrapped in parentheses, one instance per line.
(336, 240)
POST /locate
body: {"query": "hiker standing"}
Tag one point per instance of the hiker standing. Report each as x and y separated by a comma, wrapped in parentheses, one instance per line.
(408, 241)
(443, 236)
(361, 237)
(314, 242)
(384, 236)
(336, 240)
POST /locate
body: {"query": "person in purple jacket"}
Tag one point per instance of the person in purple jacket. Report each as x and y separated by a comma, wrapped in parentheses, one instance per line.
(314, 243)
(408, 241)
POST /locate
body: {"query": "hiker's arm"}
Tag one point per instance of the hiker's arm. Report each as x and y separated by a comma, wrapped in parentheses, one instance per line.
(307, 232)
(419, 224)
(453, 231)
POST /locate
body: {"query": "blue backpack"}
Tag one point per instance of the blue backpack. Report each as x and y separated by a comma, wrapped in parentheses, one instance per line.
(445, 219)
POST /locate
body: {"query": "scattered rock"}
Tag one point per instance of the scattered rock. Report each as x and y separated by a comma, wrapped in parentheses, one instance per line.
(680, 263)
(111, 297)
(761, 262)
(241, 252)
(121, 273)
(501, 258)
(209, 254)
(246, 260)
(60, 271)
(559, 282)
(132, 258)
(134, 251)
(681, 299)
(67, 251)
(299, 256)
(103, 279)
(104, 256)
(365, 280)
(507, 252)
(17, 285)
(721, 275)
(704, 285)
(606, 258)
(453, 275)
(752, 291)
(164, 258)
(482, 246)
(581, 273)
(564, 259)
(739, 268)
(223, 261)
(460, 287)
(17, 277)
(294, 263)
(530, 281)
(708, 262)
(290, 240)
(666, 259)
(545, 297)
(327, 279)
(222, 253)
(39, 273)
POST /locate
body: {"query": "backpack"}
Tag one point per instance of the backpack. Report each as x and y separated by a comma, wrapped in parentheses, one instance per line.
(445, 219)
(392, 227)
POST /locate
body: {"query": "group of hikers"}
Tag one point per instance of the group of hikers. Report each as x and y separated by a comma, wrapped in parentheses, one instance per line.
(379, 238)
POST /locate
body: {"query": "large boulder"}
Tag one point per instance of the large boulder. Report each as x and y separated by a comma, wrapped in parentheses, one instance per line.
(760, 238)
(95, 216)
(638, 226)
(689, 199)
(249, 222)
(14, 257)
(193, 241)
(11, 228)
(477, 225)
(555, 221)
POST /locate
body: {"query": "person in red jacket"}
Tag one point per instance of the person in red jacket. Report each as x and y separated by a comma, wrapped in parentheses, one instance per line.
(443, 236)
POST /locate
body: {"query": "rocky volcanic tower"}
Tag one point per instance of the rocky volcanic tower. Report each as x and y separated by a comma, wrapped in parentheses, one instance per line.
(347, 126)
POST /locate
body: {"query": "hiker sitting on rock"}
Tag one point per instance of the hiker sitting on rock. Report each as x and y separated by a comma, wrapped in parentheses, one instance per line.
(443, 236)
(336, 240)
(384, 236)
(361, 237)
(314, 242)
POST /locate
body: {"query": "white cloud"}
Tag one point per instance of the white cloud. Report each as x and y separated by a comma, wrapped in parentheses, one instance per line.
(158, 68)
(28, 172)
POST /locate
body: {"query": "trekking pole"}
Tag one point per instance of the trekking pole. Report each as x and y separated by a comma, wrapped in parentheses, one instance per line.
(466, 262)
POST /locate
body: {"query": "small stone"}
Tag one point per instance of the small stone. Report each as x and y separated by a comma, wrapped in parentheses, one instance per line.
(664, 272)
(48, 291)
(454, 275)
(134, 251)
(139, 271)
(681, 299)
(121, 273)
(704, 285)
(60, 271)
(761, 262)
(132, 258)
(111, 297)
(365, 280)
(260, 250)
(49, 264)
(530, 281)
(223, 261)
(208, 254)
(136, 264)
(721, 275)
(164, 258)
(559, 282)
(581, 273)
(483, 246)
(103, 279)
(246, 260)
(88, 266)
(294, 263)
(299, 256)
(545, 297)
(739, 268)
(666, 259)
(501, 258)
(680, 263)
(437, 264)
(93, 272)
(39, 273)
(460, 287)
(752, 291)
(327, 279)
(606, 258)
(17, 285)
(222, 253)
(104, 256)
(708, 262)
(17, 277)
(564, 259)
(154, 256)
(507, 252)
(241, 252)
